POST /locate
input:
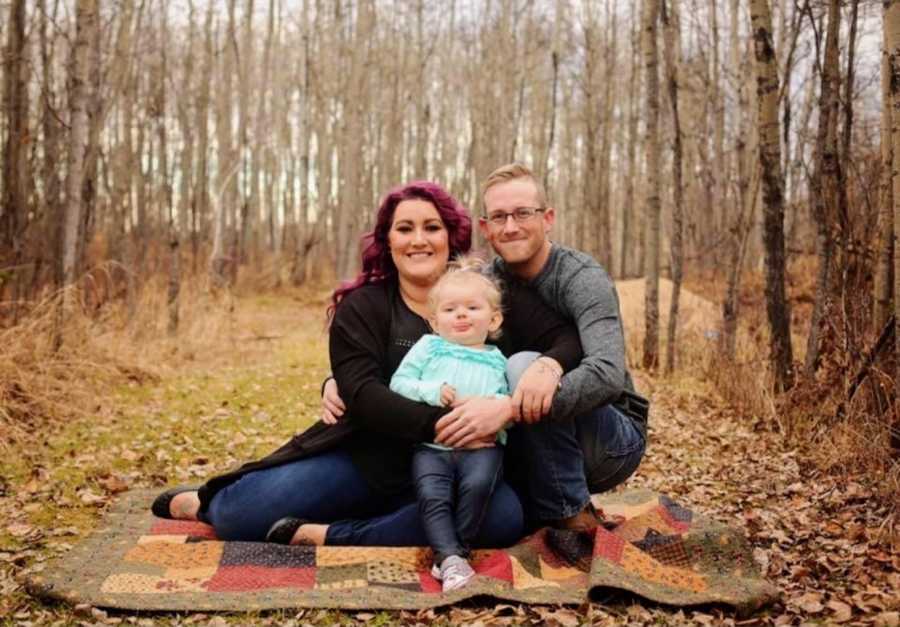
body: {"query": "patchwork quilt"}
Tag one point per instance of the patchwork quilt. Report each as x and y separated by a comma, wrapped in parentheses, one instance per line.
(657, 550)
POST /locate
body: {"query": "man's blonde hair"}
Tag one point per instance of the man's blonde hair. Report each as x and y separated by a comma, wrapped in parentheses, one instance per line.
(512, 172)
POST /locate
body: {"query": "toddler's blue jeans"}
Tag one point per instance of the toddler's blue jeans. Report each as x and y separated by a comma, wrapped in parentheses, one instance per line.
(454, 489)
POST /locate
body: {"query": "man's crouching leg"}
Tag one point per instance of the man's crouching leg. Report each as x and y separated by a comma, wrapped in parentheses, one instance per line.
(545, 464)
(612, 447)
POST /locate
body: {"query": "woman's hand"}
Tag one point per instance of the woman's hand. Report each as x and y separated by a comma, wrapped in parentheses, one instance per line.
(332, 405)
(533, 396)
(472, 419)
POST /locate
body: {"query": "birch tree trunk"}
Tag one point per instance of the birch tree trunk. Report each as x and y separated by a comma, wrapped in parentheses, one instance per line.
(606, 141)
(883, 284)
(171, 231)
(226, 197)
(628, 248)
(201, 205)
(777, 306)
(262, 141)
(672, 34)
(186, 200)
(422, 107)
(741, 217)
(52, 129)
(96, 114)
(892, 43)
(247, 234)
(86, 24)
(825, 184)
(719, 171)
(351, 157)
(14, 208)
(652, 199)
(300, 249)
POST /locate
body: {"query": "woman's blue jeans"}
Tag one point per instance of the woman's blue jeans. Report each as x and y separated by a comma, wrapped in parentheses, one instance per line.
(329, 489)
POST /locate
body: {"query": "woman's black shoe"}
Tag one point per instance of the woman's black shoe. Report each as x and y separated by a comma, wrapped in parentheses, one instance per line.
(160, 507)
(282, 532)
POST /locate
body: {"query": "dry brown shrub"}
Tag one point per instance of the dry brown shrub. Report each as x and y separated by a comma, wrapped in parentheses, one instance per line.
(55, 365)
(41, 381)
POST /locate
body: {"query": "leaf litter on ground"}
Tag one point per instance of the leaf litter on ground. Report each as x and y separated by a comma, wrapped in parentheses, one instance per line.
(815, 539)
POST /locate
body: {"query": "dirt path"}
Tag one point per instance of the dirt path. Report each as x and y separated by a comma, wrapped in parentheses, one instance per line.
(816, 541)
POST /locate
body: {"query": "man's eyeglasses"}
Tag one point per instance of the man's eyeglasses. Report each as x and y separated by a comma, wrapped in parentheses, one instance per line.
(519, 214)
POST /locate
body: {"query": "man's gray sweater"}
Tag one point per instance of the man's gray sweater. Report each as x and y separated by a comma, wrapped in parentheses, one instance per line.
(578, 287)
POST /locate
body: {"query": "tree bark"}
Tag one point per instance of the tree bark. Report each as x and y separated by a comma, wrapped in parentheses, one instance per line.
(825, 185)
(628, 248)
(86, 24)
(52, 129)
(883, 280)
(652, 199)
(226, 198)
(892, 43)
(14, 207)
(777, 306)
(672, 33)
(740, 221)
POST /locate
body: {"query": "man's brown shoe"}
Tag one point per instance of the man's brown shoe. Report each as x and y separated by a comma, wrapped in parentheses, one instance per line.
(587, 520)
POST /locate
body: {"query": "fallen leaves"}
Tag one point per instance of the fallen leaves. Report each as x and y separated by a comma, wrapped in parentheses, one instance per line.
(818, 541)
(841, 611)
(87, 497)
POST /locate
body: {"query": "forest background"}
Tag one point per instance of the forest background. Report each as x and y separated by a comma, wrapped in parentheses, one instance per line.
(167, 166)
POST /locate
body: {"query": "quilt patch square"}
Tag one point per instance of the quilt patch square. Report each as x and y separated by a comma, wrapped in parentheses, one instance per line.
(257, 578)
(268, 554)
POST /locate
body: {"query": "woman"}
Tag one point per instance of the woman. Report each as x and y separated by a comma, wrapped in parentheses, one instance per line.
(350, 483)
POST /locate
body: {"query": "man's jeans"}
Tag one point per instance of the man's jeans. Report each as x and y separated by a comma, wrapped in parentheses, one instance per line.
(454, 488)
(328, 488)
(555, 465)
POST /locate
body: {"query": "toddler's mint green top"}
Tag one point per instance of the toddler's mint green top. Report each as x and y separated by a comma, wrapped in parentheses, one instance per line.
(434, 361)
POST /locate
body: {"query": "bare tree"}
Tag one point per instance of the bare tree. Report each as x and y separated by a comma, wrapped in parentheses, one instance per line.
(652, 199)
(892, 43)
(14, 205)
(883, 287)
(51, 127)
(825, 184)
(86, 26)
(740, 220)
(777, 306)
(671, 36)
(628, 248)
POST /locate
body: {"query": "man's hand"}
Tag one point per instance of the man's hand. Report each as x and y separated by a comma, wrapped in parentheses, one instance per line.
(487, 442)
(332, 405)
(448, 395)
(471, 420)
(533, 396)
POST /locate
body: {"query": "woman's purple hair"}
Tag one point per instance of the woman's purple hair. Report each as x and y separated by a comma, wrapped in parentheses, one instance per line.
(377, 264)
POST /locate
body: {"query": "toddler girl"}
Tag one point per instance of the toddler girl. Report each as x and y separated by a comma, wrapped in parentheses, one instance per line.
(454, 486)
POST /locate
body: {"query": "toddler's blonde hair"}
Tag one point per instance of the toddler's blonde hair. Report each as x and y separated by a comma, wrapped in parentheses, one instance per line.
(467, 269)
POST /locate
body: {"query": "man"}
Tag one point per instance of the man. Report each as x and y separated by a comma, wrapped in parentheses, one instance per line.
(590, 434)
